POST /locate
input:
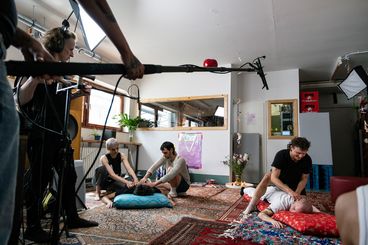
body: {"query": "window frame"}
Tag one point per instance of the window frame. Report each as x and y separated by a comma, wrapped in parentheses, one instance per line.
(85, 109)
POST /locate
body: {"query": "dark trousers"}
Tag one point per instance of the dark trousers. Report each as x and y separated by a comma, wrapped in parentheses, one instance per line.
(103, 179)
(44, 157)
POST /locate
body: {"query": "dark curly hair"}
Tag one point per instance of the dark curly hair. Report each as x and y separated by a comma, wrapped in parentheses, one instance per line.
(300, 142)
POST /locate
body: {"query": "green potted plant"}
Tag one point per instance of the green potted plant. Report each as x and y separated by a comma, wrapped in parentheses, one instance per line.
(131, 123)
(96, 134)
(145, 123)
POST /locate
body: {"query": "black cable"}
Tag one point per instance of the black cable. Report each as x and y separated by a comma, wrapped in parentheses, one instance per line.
(102, 136)
(23, 113)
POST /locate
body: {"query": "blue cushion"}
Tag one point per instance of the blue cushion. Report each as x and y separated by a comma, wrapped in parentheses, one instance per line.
(157, 200)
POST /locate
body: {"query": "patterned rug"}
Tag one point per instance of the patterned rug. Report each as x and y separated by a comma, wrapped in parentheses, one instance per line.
(135, 226)
(194, 232)
(258, 231)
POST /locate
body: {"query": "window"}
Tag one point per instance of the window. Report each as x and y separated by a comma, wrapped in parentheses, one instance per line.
(96, 108)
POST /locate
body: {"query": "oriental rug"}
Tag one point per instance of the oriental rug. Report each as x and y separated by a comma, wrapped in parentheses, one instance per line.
(194, 232)
(134, 226)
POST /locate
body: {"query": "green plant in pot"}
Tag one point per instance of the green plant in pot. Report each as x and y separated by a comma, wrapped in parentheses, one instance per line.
(131, 123)
(96, 134)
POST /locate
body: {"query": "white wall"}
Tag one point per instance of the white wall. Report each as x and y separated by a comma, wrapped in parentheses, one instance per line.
(253, 107)
(216, 143)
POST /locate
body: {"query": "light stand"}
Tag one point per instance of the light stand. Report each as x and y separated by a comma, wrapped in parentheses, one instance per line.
(67, 158)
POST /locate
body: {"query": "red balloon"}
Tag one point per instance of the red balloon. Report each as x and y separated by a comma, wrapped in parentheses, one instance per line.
(210, 63)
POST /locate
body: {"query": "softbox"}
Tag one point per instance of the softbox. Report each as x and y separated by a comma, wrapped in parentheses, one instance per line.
(355, 82)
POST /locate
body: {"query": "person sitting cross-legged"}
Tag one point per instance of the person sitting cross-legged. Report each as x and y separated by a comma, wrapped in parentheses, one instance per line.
(108, 176)
(177, 171)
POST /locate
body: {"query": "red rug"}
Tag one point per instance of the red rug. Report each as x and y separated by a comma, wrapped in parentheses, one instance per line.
(234, 211)
(195, 232)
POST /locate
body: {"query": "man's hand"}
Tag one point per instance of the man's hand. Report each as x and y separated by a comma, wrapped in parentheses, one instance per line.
(133, 67)
(295, 195)
(143, 181)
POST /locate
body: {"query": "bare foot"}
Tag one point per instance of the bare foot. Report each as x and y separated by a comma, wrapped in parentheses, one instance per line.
(109, 205)
(171, 200)
(97, 197)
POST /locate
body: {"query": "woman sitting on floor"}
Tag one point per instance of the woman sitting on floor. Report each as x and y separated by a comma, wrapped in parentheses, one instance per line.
(108, 176)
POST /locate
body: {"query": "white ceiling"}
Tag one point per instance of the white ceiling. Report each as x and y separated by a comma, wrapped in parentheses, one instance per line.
(305, 34)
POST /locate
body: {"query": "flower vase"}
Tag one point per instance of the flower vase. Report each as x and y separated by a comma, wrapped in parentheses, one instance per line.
(131, 134)
(237, 180)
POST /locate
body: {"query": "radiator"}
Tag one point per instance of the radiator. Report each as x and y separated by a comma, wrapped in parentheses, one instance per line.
(88, 154)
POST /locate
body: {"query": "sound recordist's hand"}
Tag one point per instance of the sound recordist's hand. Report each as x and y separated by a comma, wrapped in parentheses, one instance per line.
(32, 49)
(133, 67)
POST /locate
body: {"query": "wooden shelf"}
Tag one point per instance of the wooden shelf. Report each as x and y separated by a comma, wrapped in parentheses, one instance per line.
(120, 142)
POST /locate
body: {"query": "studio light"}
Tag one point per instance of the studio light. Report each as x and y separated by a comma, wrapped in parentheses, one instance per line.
(92, 32)
(355, 82)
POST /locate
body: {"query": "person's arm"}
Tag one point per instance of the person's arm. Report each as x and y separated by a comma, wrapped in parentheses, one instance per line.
(266, 214)
(27, 89)
(30, 47)
(105, 162)
(129, 168)
(102, 14)
(276, 181)
(150, 171)
(179, 165)
(302, 183)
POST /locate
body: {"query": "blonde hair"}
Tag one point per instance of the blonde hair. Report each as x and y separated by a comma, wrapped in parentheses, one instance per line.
(111, 143)
(304, 206)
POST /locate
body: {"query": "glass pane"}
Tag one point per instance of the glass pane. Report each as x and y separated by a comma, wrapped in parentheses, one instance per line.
(186, 112)
(99, 106)
(281, 118)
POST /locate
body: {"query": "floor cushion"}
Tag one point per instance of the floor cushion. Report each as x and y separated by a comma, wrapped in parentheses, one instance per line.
(126, 201)
(318, 224)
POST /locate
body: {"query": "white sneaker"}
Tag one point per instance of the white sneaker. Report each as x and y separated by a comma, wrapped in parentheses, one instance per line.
(173, 193)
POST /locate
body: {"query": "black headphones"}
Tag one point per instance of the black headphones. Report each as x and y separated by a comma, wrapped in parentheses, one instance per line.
(59, 43)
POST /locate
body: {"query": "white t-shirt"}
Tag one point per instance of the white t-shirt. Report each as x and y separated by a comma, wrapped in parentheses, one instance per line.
(278, 199)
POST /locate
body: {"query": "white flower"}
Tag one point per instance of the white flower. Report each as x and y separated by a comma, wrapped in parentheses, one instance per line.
(246, 157)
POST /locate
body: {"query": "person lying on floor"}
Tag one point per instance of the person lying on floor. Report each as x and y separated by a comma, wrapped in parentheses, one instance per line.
(140, 190)
(278, 199)
(108, 176)
(177, 171)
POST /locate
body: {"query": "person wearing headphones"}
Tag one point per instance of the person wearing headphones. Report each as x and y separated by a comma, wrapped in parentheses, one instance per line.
(46, 148)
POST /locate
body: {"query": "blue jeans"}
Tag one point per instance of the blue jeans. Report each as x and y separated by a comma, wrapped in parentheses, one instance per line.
(9, 140)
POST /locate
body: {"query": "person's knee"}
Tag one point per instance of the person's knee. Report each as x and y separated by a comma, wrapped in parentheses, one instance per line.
(175, 181)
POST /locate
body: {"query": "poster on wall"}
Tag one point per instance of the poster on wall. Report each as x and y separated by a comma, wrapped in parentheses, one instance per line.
(190, 148)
